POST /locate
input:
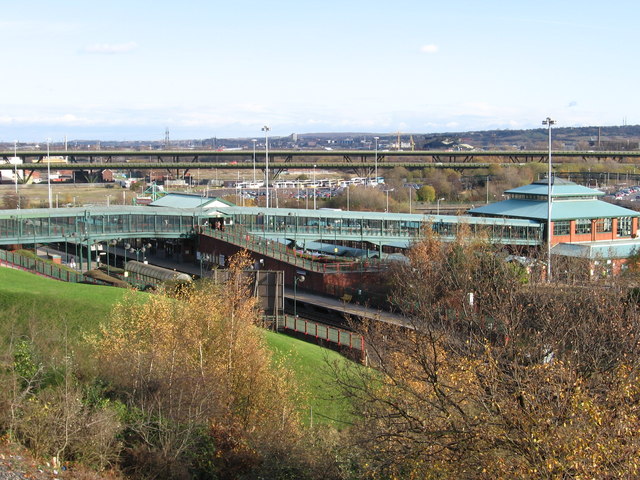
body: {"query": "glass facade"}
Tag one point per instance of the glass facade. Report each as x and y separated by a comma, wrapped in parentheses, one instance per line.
(63, 224)
(94, 225)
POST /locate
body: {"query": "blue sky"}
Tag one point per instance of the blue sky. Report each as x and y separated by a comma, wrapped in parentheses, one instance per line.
(122, 70)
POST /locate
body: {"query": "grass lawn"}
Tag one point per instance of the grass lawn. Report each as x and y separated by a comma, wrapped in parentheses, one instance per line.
(29, 301)
(46, 308)
(310, 363)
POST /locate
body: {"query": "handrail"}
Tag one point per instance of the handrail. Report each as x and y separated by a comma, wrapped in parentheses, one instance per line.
(239, 236)
(320, 331)
(44, 268)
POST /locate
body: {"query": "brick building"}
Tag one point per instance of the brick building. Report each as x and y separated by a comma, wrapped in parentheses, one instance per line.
(582, 225)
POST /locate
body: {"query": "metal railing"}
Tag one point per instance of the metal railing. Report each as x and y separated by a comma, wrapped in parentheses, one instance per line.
(238, 236)
(319, 331)
(43, 268)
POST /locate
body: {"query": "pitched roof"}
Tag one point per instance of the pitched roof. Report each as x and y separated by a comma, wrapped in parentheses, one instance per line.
(569, 201)
(559, 188)
(598, 250)
(560, 209)
(185, 200)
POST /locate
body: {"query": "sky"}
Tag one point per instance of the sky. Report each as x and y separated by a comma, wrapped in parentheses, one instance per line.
(128, 70)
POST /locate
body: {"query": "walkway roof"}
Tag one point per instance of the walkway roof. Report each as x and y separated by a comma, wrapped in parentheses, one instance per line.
(344, 214)
(184, 200)
(94, 211)
(598, 250)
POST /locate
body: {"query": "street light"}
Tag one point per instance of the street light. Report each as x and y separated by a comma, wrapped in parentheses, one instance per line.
(438, 205)
(299, 277)
(487, 185)
(548, 122)
(376, 158)
(113, 244)
(314, 187)
(387, 192)
(142, 250)
(254, 161)
(266, 130)
(49, 174)
(15, 168)
(66, 247)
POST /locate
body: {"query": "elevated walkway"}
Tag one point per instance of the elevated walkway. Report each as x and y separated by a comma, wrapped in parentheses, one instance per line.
(378, 229)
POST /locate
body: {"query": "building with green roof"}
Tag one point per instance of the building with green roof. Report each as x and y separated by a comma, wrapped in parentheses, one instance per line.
(582, 224)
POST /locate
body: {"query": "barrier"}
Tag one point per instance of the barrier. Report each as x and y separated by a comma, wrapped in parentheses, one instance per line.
(43, 268)
(338, 336)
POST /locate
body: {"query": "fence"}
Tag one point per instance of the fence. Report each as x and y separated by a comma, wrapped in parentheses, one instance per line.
(240, 237)
(44, 268)
(337, 336)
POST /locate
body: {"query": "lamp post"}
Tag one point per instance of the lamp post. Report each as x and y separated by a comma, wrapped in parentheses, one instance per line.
(487, 185)
(140, 250)
(297, 278)
(266, 130)
(548, 122)
(386, 210)
(113, 244)
(314, 187)
(375, 139)
(15, 168)
(254, 161)
(438, 205)
(66, 247)
(49, 174)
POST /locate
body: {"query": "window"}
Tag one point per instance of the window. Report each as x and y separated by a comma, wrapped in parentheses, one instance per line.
(624, 226)
(604, 225)
(583, 226)
(561, 227)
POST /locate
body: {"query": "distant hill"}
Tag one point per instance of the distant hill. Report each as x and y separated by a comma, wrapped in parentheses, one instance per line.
(626, 137)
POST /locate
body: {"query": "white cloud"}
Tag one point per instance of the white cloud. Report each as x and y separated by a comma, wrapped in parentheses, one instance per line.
(110, 48)
(431, 48)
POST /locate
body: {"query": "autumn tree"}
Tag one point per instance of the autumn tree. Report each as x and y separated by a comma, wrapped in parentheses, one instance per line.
(198, 372)
(493, 377)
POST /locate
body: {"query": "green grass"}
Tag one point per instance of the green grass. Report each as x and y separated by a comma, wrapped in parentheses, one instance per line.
(30, 301)
(310, 364)
(38, 306)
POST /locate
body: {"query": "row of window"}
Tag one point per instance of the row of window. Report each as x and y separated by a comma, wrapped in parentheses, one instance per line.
(602, 225)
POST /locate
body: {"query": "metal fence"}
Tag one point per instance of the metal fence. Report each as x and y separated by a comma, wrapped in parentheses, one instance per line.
(43, 268)
(240, 237)
(319, 331)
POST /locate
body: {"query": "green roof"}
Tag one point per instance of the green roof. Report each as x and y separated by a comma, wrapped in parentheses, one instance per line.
(185, 200)
(560, 209)
(559, 188)
(598, 250)
(340, 214)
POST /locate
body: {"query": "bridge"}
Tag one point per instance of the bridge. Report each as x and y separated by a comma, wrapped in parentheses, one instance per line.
(282, 159)
(90, 225)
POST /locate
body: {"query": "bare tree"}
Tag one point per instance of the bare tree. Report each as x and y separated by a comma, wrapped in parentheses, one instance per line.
(494, 374)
